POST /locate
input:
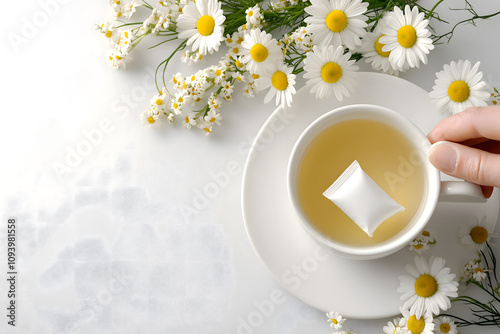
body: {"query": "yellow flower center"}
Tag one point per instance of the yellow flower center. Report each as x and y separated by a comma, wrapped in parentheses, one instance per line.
(238, 63)
(458, 91)
(255, 76)
(335, 322)
(336, 20)
(213, 119)
(479, 234)
(444, 328)
(415, 326)
(379, 46)
(259, 53)
(236, 50)
(478, 270)
(407, 36)
(159, 102)
(109, 33)
(207, 130)
(151, 120)
(229, 40)
(426, 286)
(205, 25)
(279, 80)
(418, 246)
(250, 13)
(331, 72)
(186, 119)
(426, 233)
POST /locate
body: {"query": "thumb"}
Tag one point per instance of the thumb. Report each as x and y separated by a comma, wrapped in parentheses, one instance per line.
(466, 163)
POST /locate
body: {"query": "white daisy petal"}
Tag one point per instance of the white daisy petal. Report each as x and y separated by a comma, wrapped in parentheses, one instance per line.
(459, 83)
(432, 288)
(201, 22)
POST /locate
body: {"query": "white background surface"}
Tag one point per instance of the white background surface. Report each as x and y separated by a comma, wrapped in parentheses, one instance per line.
(105, 246)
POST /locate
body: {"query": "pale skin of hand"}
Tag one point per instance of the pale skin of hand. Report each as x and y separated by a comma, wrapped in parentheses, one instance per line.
(472, 148)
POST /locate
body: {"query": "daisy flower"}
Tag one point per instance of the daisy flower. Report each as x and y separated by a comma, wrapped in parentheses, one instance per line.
(281, 82)
(419, 246)
(337, 22)
(371, 48)
(335, 319)
(396, 326)
(130, 8)
(190, 120)
(418, 324)
(479, 273)
(201, 23)
(428, 287)
(150, 118)
(212, 117)
(459, 86)
(476, 235)
(444, 325)
(329, 70)
(260, 51)
(422, 242)
(253, 16)
(406, 37)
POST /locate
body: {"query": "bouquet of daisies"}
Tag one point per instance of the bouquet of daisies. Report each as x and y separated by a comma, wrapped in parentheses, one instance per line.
(264, 46)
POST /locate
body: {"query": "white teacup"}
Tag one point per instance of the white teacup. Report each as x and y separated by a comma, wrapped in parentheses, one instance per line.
(434, 188)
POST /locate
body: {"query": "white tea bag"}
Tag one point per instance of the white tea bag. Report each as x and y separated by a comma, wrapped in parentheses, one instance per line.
(355, 193)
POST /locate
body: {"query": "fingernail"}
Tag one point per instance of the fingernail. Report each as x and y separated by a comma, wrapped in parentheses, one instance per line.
(443, 156)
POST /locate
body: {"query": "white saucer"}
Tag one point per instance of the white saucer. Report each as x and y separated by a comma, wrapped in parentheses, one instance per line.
(356, 289)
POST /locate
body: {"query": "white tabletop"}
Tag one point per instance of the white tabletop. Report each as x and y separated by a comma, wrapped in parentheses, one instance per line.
(123, 229)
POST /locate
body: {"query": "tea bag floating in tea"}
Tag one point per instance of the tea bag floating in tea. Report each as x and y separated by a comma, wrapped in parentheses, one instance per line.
(355, 193)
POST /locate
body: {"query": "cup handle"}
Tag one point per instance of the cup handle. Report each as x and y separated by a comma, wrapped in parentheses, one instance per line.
(461, 192)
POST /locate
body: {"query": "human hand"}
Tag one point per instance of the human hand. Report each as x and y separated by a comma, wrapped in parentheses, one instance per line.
(471, 147)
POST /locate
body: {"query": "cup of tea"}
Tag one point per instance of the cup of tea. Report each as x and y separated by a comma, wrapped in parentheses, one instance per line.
(393, 152)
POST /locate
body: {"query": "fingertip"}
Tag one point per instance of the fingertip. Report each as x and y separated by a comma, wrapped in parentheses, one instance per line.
(443, 156)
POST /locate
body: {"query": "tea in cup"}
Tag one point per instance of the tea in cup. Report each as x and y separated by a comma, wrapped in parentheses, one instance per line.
(392, 151)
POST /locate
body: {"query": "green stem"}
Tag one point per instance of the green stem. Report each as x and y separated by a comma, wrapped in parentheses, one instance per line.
(165, 63)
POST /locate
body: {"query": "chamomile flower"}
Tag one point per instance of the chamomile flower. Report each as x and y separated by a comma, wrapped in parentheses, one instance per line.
(335, 319)
(329, 70)
(130, 8)
(406, 37)
(459, 86)
(201, 23)
(479, 273)
(421, 243)
(371, 48)
(396, 326)
(160, 100)
(419, 246)
(418, 324)
(212, 117)
(253, 16)
(337, 22)
(444, 325)
(260, 51)
(428, 287)
(108, 29)
(476, 234)
(150, 118)
(190, 120)
(280, 82)
(117, 59)
(249, 90)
